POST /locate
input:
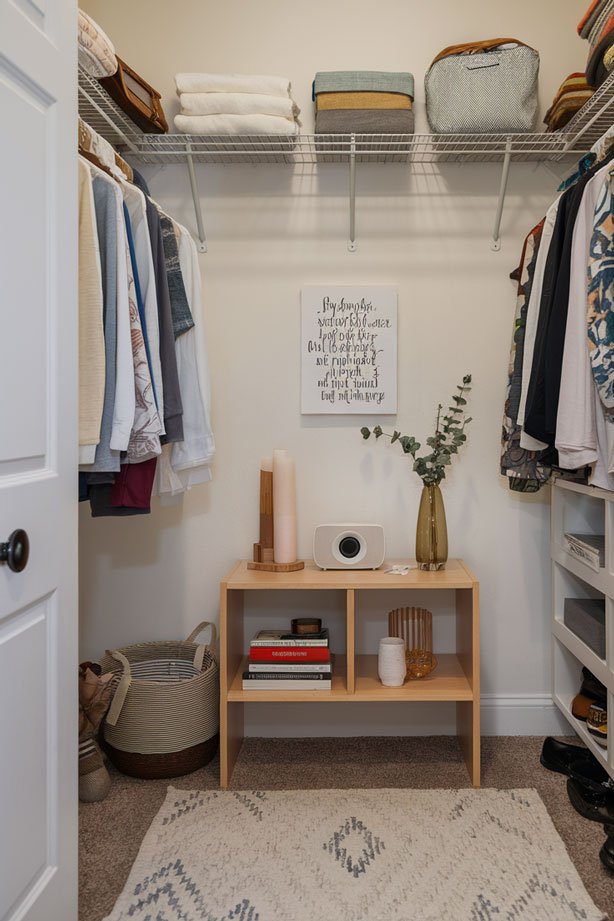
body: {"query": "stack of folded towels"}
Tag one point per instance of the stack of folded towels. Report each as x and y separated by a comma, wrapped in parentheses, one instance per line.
(571, 95)
(219, 104)
(597, 27)
(364, 102)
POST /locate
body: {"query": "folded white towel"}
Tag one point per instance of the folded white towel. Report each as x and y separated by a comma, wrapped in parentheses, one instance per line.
(235, 124)
(237, 104)
(232, 83)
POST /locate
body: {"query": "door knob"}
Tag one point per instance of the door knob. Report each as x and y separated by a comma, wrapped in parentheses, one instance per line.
(16, 551)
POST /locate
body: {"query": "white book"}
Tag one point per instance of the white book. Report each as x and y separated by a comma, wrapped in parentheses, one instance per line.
(589, 548)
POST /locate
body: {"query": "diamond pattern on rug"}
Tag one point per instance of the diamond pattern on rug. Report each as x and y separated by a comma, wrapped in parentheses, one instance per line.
(353, 833)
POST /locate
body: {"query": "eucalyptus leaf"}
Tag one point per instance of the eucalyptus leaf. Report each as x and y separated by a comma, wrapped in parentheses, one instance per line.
(443, 444)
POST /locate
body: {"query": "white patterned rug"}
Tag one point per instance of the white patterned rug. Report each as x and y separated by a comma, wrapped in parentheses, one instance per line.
(353, 855)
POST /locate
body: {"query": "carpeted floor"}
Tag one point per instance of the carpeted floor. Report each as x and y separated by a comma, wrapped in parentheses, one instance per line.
(111, 831)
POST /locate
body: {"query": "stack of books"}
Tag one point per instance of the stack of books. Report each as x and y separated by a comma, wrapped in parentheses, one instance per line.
(282, 661)
(590, 548)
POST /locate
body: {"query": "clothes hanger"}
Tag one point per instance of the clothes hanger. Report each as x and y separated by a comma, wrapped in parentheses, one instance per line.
(93, 159)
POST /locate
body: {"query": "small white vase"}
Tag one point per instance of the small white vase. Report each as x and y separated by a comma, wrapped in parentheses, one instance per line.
(391, 666)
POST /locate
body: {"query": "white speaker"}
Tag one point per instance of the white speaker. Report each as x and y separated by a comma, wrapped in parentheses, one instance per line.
(349, 546)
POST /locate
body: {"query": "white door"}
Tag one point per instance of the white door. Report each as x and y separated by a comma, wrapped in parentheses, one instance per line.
(38, 460)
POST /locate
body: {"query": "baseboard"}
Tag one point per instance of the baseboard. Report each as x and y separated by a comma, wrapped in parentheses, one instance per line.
(501, 715)
(521, 715)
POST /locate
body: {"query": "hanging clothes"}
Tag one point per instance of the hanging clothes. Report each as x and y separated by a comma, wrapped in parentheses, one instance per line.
(526, 441)
(576, 426)
(106, 459)
(91, 333)
(544, 386)
(173, 407)
(180, 308)
(524, 469)
(145, 377)
(188, 462)
(600, 314)
(566, 278)
(134, 201)
(147, 428)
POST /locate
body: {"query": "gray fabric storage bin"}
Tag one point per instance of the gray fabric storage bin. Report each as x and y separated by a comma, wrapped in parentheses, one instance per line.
(586, 618)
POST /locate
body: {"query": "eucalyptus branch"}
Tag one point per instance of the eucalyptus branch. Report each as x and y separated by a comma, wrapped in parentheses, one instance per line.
(448, 438)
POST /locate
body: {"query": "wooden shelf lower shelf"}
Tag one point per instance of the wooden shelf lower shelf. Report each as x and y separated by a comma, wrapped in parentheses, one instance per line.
(447, 683)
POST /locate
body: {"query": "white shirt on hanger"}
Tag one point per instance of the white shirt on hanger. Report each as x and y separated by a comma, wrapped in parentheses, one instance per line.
(603, 470)
(196, 451)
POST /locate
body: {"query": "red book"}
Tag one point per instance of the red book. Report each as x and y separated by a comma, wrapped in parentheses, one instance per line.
(290, 654)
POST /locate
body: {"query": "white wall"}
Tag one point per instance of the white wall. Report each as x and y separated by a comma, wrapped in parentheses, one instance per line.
(271, 230)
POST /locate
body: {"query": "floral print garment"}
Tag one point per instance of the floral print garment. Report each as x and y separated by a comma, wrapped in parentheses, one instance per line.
(600, 311)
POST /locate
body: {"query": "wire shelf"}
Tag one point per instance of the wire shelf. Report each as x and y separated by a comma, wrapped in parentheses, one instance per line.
(98, 109)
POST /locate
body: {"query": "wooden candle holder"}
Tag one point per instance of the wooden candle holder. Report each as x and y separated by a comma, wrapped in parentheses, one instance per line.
(263, 550)
(276, 567)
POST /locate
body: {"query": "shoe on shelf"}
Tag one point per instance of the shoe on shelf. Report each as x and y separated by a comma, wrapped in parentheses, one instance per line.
(592, 687)
(574, 761)
(580, 706)
(597, 724)
(592, 691)
(598, 807)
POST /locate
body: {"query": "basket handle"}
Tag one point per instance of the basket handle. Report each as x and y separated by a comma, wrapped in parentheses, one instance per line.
(475, 47)
(199, 655)
(125, 681)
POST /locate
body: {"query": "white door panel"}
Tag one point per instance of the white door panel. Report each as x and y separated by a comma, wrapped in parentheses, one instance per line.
(38, 459)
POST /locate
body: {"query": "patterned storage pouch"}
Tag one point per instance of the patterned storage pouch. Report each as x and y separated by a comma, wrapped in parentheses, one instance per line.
(487, 87)
(96, 52)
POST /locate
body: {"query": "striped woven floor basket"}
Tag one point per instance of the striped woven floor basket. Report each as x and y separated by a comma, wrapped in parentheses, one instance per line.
(164, 716)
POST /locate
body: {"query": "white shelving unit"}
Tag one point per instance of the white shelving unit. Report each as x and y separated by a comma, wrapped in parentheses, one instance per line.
(589, 510)
(98, 109)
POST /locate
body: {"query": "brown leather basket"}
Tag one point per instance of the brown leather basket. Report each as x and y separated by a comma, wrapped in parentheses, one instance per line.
(140, 101)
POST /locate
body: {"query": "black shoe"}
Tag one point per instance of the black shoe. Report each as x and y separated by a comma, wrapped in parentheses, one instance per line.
(593, 688)
(598, 807)
(606, 854)
(574, 761)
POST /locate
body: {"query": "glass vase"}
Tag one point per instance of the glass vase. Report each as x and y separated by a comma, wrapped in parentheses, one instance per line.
(431, 530)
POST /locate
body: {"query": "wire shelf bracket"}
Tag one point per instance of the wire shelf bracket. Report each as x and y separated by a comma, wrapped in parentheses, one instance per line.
(202, 240)
(505, 172)
(352, 239)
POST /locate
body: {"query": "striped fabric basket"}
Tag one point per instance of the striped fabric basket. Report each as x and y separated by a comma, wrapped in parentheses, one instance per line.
(164, 716)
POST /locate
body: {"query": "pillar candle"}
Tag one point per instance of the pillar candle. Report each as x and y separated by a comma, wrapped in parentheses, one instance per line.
(284, 508)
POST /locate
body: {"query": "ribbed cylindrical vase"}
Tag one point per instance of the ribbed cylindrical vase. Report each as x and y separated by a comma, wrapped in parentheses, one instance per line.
(391, 666)
(431, 530)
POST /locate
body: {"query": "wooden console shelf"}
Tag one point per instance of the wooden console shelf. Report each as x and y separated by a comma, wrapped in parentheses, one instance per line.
(355, 677)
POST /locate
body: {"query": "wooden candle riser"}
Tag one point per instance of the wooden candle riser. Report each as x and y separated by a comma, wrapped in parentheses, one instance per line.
(266, 510)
